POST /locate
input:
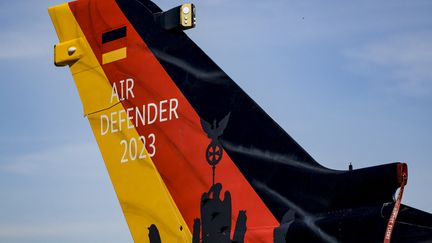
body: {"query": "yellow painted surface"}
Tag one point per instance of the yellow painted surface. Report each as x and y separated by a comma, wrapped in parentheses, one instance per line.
(113, 56)
(68, 52)
(187, 20)
(141, 191)
(93, 86)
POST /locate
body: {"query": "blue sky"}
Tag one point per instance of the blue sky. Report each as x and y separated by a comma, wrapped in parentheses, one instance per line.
(351, 82)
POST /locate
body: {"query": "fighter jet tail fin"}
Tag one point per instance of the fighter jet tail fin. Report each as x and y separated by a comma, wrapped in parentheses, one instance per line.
(148, 207)
(174, 128)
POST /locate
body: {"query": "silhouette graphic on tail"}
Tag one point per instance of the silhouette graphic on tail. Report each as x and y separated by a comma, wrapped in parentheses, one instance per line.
(214, 150)
(153, 234)
(146, 87)
(215, 223)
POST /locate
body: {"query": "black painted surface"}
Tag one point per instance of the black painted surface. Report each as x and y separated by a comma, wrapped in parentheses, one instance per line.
(153, 234)
(283, 174)
(113, 35)
(214, 226)
(267, 156)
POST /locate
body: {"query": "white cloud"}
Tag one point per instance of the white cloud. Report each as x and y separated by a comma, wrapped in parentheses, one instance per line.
(59, 229)
(59, 193)
(406, 60)
(28, 37)
(69, 159)
(26, 44)
(13, 48)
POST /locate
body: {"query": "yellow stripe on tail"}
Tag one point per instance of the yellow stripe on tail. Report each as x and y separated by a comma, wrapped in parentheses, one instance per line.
(143, 196)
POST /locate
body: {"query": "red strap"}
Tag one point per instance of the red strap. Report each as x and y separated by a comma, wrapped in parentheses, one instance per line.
(393, 216)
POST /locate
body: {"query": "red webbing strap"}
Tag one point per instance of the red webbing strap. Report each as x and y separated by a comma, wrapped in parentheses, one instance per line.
(394, 214)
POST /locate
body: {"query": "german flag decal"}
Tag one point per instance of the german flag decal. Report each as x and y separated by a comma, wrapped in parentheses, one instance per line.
(114, 45)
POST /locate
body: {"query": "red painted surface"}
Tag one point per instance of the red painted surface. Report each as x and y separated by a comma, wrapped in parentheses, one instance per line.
(180, 143)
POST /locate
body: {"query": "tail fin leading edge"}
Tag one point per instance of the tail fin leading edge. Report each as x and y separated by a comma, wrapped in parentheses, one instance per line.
(186, 148)
(143, 196)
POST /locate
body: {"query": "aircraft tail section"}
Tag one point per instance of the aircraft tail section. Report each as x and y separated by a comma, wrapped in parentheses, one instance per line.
(141, 191)
(263, 152)
(191, 156)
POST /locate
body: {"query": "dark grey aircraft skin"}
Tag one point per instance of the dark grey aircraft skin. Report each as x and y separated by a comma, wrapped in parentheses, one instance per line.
(312, 203)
